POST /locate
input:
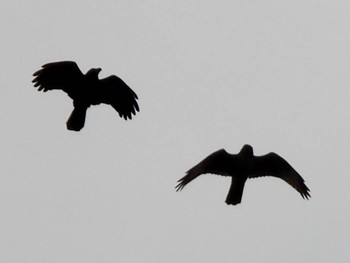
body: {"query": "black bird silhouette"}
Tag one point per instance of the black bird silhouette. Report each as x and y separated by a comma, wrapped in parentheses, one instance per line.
(242, 166)
(86, 90)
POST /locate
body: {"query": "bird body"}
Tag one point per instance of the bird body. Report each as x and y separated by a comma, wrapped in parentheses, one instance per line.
(86, 90)
(242, 166)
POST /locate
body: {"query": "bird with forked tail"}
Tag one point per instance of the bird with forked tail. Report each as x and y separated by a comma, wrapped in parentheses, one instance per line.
(86, 90)
(242, 166)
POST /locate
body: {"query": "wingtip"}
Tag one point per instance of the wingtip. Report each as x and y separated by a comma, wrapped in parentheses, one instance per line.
(180, 185)
(137, 106)
(306, 195)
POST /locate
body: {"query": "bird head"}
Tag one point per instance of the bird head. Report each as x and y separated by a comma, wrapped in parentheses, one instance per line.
(246, 150)
(93, 72)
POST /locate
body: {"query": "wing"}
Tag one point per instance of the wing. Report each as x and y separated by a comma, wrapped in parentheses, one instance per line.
(114, 91)
(216, 163)
(274, 165)
(64, 75)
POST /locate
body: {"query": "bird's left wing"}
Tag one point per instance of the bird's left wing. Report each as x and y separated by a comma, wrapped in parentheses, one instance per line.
(274, 165)
(216, 163)
(64, 75)
(115, 92)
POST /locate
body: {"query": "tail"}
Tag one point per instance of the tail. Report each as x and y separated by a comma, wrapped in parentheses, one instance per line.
(235, 193)
(76, 120)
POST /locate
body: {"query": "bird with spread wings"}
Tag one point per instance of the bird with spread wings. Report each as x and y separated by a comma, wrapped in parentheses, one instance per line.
(242, 166)
(86, 90)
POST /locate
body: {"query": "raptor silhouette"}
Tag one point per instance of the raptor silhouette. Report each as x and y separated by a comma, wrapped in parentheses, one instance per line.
(242, 166)
(86, 90)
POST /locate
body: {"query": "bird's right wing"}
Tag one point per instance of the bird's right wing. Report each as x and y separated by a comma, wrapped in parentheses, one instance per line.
(215, 163)
(114, 91)
(64, 75)
(274, 165)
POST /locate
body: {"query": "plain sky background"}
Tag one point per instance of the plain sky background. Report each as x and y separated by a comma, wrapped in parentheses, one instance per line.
(209, 75)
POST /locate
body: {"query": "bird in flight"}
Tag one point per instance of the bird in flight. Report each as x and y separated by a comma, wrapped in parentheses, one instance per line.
(86, 90)
(242, 166)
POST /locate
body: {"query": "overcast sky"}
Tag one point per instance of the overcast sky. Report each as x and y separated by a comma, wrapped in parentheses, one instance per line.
(209, 75)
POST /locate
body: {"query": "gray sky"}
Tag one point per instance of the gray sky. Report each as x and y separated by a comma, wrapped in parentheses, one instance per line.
(274, 74)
